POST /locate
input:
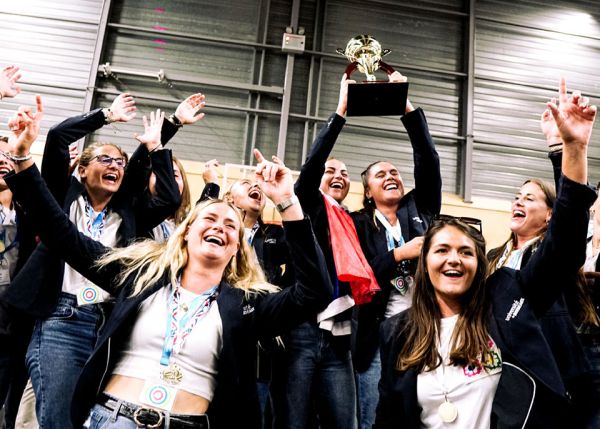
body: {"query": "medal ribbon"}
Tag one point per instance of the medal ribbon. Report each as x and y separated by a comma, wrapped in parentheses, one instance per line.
(180, 324)
(392, 233)
(10, 246)
(94, 223)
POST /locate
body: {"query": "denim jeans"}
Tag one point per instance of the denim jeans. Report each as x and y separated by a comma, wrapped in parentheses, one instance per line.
(314, 374)
(59, 347)
(102, 418)
(593, 354)
(367, 389)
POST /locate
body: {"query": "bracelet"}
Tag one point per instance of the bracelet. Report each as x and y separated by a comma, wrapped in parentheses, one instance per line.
(17, 159)
(284, 205)
(175, 121)
(108, 116)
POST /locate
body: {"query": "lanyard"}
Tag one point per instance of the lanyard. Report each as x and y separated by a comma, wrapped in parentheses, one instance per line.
(94, 223)
(6, 249)
(181, 322)
(165, 230)
(392, 233)
(250, 235)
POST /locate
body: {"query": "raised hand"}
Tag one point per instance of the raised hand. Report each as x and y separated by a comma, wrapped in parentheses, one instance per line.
(276, 181)
(122, 108)
(210, 174)
(151, 136)
(343, 99)
(8, 82)
(74, 157)
(20, 142)
(574, 119)
(399, 77)
(188, 111)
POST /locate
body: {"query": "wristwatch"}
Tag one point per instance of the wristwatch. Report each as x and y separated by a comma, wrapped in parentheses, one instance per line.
(282, 206)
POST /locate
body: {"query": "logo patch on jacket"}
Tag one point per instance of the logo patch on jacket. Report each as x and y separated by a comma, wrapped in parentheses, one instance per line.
(417, 219)
(247, 309)
(514, 309)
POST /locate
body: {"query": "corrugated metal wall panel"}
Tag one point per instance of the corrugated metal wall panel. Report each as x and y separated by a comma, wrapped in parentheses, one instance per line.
(519, 59)
(53, 43)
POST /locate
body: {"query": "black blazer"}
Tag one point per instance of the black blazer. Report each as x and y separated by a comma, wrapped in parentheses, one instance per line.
(530, 377)
(35, 290)
(244, 317)
(416, 210)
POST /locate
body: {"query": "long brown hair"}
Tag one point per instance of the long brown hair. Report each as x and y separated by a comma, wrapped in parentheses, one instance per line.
(549, 198)
(186, 199)
(469, 342)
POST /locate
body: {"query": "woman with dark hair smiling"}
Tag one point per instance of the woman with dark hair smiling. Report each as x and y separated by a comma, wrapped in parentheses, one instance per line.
(470, 351)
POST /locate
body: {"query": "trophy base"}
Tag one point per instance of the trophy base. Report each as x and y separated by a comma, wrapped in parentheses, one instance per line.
(377, 99)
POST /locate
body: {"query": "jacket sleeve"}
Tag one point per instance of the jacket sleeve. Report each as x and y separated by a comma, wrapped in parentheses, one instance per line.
(307, 185)
(210, 191)
(562, 252)
(57, 231)
(278, 312)
(151, 210)
(56, 160)
(428, 179)
(556, 160)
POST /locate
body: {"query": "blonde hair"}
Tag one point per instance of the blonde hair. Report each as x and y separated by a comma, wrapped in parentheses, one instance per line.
(148, 261)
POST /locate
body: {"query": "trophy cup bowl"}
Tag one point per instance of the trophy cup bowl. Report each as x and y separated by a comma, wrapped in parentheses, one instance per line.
(378, 98)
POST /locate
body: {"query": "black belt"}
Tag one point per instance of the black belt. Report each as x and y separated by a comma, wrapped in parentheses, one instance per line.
(151, 418)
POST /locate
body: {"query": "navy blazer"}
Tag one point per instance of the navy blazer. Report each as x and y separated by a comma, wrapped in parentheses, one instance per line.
(35, 290)
(244, 317)
(530, 392)
(415, 212)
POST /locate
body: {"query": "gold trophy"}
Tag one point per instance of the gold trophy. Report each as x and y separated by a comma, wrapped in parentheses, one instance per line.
(372, 97)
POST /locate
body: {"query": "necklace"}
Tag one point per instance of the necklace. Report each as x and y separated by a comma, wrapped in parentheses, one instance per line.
(447, 410)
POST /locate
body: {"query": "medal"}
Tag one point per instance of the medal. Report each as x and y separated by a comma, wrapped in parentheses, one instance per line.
(184, 307)
(2, 246)
(172, 374)
(447, 411)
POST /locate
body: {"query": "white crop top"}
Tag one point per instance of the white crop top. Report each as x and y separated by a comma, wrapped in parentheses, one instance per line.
(197, 359)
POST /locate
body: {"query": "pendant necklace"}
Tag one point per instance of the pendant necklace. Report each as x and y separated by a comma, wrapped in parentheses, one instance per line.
(447, 410)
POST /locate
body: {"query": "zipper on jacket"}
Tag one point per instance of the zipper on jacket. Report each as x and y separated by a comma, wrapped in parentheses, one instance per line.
(534, 390)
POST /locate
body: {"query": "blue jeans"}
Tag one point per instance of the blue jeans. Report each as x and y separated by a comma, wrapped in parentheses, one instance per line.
(314, 374)
(593, 354)
(102, 418)
(367, 386)
(59, 347)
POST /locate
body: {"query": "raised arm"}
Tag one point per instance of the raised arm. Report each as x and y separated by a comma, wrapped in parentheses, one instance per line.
(565, 242)
(210, 177)
(56, 159)
(428, 178)
(44, 213)
(312, 290)
(151, 210)
(307, 185)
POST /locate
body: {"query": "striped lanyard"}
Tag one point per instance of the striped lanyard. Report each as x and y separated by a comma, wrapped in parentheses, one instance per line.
(251, 233)
(183, 318)
(393, 234)
(94, 223)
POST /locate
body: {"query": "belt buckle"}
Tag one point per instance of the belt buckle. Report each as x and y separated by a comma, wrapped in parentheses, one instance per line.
(158, 424)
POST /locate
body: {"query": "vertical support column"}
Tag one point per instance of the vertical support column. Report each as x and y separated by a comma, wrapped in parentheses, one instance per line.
(468, 105)
(287, 88)
(100, 39)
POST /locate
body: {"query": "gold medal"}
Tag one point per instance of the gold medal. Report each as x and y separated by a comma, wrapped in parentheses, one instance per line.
(447, 411)
(172, 374)
(2, 246)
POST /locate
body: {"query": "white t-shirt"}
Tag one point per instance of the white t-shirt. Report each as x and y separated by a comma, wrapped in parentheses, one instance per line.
(72, 280)
(470, 389)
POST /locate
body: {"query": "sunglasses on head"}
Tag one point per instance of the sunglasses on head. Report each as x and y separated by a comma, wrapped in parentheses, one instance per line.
(107, 160)
(471, 221)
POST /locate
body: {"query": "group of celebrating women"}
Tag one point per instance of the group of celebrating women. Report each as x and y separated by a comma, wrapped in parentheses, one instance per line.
(128, 307)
